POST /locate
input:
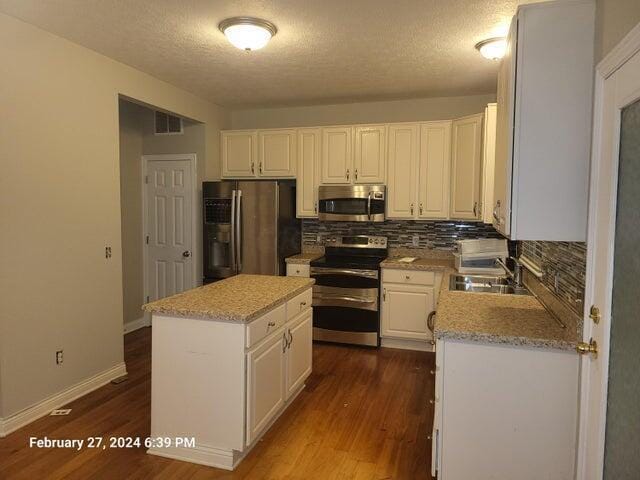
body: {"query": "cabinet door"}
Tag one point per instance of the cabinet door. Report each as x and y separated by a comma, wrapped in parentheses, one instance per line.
(402, 169)
(265, 384)
(501, 209)
(405, 309)
(277, 153)
(435, 161)
(239, 154)
(299, 353)
(488, 163)
(337, 155)
(466, 156)
(370, 156)
(308, 174)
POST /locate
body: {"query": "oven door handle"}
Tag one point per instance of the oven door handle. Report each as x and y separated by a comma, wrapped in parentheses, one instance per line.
(340, 271)
(369, 206)
(344, 297)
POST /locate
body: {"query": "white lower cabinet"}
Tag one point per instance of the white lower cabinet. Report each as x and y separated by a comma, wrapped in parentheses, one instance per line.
(299, 353)
(408, 296)
(265, 384)
(504, 412)
(405, 310)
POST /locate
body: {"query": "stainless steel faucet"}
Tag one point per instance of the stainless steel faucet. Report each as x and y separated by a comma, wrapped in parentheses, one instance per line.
(516, 274)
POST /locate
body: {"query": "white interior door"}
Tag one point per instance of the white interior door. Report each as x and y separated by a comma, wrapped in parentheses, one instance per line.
(609, 380)
(169, 221)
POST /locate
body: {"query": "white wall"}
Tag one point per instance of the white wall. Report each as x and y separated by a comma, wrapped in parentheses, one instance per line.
(131, 118)
(419, 109)
(614, 19)
(60, 207)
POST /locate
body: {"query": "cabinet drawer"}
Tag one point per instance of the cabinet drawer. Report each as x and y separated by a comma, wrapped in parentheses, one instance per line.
(298, 270)
(299, 303)
(415, 277)
(266, 324)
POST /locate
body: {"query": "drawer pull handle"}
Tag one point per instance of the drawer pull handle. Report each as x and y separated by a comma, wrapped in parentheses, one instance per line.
(271, 324)
(302, 304)
(407, 277)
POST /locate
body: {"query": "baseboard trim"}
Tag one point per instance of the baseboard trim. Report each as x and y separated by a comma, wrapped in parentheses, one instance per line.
(202, 455)
(407, 344)
(40, 409)
(137, 324)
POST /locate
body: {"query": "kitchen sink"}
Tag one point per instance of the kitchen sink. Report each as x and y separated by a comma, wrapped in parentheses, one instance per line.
(485, 284)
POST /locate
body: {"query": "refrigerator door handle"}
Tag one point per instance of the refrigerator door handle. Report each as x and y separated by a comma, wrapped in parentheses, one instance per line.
(239, 230)
(233, 234)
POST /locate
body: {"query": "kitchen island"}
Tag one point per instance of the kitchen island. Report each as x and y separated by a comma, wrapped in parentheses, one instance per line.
(227, 360)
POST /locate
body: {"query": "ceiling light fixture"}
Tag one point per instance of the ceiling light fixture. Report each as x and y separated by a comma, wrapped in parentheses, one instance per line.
(247, 33)
(492, 48)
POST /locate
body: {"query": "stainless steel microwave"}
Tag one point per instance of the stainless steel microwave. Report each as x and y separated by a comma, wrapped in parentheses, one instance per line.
(352, 203)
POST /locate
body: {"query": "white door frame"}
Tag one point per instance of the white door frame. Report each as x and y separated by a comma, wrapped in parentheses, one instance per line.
(195, 255)
(590, 461)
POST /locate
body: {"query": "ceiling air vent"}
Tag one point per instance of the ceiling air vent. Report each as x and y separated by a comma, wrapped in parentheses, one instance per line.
(167, 124)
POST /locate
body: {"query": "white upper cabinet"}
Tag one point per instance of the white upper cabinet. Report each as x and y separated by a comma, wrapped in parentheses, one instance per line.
(433, 178)
(277, 153)
(488, 162)
(370, 155)
(543, 133)
(337, 155)
(466, 160)
(402, 170)
(239, 153)
(308, 174)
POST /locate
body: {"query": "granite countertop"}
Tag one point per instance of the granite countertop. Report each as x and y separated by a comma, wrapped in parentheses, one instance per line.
(303, 258)
(241, 298)
(424, 263)
(519, 320)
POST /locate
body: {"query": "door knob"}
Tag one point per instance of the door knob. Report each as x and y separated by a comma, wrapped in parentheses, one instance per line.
(594, 314)
(186, 254)
(584, 348)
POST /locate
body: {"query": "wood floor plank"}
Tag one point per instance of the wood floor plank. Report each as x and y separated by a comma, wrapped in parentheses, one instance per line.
(363, 415)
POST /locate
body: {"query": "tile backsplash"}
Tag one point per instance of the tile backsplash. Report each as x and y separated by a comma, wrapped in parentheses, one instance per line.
(564, 267)
(440, 235)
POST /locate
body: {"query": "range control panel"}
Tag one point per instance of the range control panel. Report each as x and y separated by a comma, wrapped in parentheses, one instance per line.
(356, 241)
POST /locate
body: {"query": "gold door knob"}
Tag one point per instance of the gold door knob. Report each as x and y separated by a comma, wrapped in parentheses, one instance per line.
(594, 314)
(588, 348)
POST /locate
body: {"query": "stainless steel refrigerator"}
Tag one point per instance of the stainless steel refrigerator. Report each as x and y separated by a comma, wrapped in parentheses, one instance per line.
(249, 227)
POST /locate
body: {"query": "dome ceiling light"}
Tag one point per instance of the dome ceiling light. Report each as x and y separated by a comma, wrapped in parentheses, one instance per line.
(492, 48)
(247, 33)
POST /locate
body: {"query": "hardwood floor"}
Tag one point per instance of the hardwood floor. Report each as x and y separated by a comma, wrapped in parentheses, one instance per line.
(364, 414)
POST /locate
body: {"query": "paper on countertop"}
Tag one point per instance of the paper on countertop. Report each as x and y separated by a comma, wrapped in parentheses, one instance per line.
(407, 259)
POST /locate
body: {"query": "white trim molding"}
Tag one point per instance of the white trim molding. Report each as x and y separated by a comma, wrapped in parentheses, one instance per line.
(202, 455)
(40, 409)
(602, 195)
(137, 324)
(406, 344)
(618, 56)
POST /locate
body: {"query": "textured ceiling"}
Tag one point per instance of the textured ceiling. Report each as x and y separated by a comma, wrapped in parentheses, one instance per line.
(325, 50)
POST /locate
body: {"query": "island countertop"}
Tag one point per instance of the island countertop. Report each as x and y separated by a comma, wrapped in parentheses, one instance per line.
(241, 298)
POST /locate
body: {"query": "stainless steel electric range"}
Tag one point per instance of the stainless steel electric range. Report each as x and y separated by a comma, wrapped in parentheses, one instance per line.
(346, 295)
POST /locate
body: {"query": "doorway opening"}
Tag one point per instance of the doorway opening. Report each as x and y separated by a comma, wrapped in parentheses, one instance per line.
(160, 206)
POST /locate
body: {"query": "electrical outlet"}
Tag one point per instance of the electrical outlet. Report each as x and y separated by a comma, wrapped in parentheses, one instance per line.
(107, 252)
(416, 240)
(59, 357)
(318, 239)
